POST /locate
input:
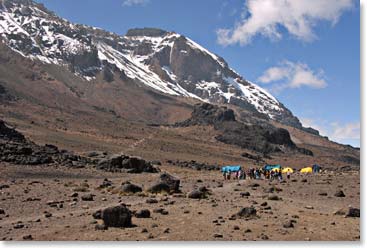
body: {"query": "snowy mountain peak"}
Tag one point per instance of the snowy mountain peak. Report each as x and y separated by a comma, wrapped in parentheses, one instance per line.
(165, 61)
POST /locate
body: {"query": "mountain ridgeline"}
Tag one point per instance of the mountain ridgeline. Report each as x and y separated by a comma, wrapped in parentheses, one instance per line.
(165, 62)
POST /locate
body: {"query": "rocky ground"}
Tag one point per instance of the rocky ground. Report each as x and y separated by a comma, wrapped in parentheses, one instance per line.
(62, 203)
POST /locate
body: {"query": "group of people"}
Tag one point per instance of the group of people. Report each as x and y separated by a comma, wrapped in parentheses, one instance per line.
(255, 173)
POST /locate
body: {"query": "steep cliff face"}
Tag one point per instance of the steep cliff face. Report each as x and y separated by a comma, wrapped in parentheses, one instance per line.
(167, 62)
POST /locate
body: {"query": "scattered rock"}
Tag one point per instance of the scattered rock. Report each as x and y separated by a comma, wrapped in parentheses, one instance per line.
(245, 194)
(161, 211)
(288, 224)
(159, 188)
(217, 235)
(129, 188)
(48, 215)
(247, 212)
(196, 194)
(353, 212)
(75, 194)
(339, 193)
(264, 237)
(27, 237)
(118, 216)
(323, 193)
(88, 197)
(151, 201)
(144, 213)
(105, 184)
(273, 198)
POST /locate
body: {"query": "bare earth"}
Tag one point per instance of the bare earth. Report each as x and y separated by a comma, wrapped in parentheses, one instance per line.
(187, 219)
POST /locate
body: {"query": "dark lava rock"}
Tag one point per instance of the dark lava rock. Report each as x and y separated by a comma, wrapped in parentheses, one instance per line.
(48, 215)
(288, 224)
(160, 211)
(247, 212)
(339, 193)
(273, 198)
(131, 188)
(2, 211)
(151, 201)
(208, 114)
(264, 204)
(4, 186)
(196, 194)
(264, 237)
(353, 212)
(159, 188)
(244, 194)
(217, 235)
(106, 183)
(144, 213)
(120, 162)
(88, 197)
(259, 138)
(171, 181)
(323, 193)
(97, 215)
(272, 190)
(304, 180)
(27, 237)
(118, 216)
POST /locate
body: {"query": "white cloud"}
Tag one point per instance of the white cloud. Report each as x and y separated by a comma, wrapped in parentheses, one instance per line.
(134, 2)
(292, 75)
(298, 17)
(347, 133)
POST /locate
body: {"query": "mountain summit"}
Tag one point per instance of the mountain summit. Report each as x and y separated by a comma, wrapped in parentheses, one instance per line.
(167, 62)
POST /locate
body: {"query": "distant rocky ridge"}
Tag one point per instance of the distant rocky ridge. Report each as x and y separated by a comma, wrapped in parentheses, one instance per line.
(164, 61)
(264, 139)
(16, 149)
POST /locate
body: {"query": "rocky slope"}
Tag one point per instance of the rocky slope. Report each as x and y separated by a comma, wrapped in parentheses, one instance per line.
(167, 62)
(262, 138)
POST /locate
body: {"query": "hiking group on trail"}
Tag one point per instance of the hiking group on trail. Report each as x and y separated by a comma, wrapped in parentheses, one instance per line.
(269, 172)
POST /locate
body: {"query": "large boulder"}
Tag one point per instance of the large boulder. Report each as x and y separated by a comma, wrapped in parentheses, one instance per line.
(171, 181)
(118, 216)
(196, 194)
(119, 162)
(159, 188)
(111, 163)
(130, 188)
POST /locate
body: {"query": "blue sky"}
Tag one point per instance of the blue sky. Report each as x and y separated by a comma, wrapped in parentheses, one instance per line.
(305, 53)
